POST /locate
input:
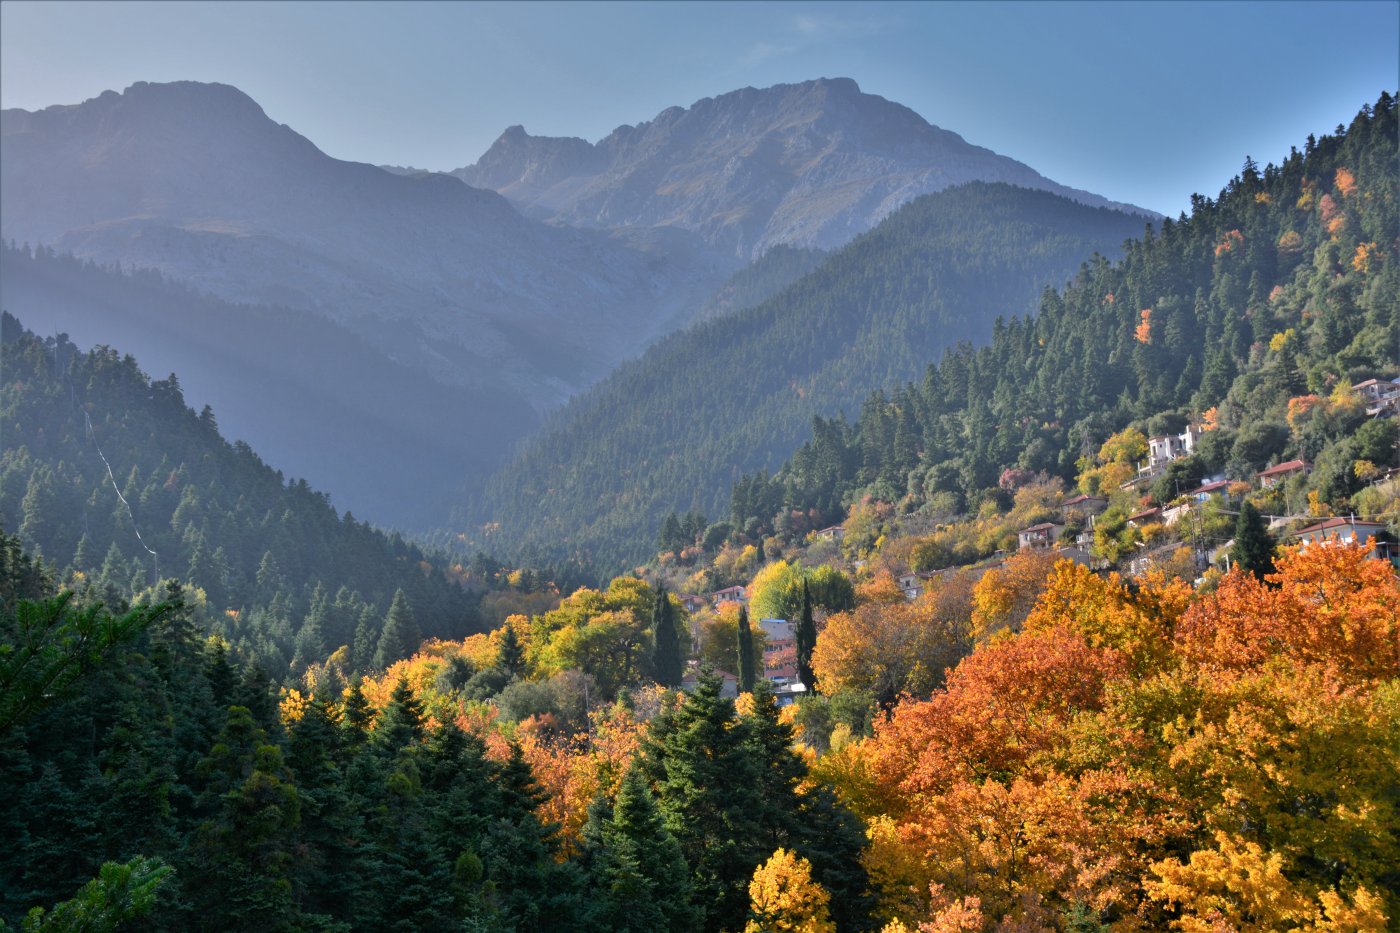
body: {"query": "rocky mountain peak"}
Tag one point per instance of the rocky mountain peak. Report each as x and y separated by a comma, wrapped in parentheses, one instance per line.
(811, 164)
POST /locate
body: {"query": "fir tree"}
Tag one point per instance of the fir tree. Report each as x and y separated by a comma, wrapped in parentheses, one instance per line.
(702, 764)
(511, 655)
(638, 876)
(1254, 547)
(401, 636)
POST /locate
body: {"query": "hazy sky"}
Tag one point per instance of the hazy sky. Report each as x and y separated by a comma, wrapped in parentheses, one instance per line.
(1141, 102)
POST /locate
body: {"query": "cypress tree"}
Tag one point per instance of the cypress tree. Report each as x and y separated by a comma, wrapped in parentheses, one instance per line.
(1254, 548)
(806, 641)
(668, 662)
(746, 659)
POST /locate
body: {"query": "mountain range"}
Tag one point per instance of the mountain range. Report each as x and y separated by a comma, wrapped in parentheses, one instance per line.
(503, 296)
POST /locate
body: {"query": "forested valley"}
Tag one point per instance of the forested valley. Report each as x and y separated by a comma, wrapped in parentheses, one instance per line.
(862, 700)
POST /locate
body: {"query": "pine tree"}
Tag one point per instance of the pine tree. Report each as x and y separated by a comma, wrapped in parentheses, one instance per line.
(806, 641)
(1254, 547)
(668, 662)
(746, 659)
(401, 636)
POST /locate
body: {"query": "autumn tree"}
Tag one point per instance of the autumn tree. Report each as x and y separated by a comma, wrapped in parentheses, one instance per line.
(783, 898)
(890, 647)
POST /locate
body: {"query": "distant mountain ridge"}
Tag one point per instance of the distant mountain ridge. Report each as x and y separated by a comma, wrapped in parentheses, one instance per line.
(809, 165)
(195, 181)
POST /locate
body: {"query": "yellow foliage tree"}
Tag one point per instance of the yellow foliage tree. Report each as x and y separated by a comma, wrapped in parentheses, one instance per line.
(1239, 886)
(783, 898)
(1005, 595)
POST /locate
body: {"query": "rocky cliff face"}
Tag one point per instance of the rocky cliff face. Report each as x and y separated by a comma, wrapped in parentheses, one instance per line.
(809, 165)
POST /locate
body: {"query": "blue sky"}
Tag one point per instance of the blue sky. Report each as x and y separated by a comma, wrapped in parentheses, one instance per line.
(1141, 102)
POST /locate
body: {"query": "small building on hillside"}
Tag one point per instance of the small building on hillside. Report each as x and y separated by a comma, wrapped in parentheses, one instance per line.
(1043, 535)
(1277, 474)
(776, 629)
(1382, 397)
(1086, 506)
(1352, 530)
(730, 594)
(1145, 517)
(912, 583)
(729, 683)
(780, 661)
(788, 694)
(1215, 487)
(692, 602)
(830, 533)
(1165, 448)
(1175, 513)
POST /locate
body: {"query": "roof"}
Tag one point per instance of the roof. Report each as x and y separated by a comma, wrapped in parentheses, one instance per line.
(1368, 382)
(728, 589)
(1210, 487)
(1285, 467)
(1145, 513)
(822, 531)
(1081, 499)
(1043, 526)
(1337, 522)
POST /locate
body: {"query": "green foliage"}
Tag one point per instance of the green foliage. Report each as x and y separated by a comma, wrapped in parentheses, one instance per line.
(637, 872)
(46, 646)
(121, 894)
(806, 639)
(1254, 548)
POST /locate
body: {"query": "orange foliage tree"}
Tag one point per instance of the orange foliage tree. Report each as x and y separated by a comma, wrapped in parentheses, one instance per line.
(1145, 757)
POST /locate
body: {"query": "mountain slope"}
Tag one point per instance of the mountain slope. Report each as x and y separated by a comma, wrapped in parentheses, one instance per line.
(285, 576)
(1263, 308)
(812, 165)
(675, 428)
(310, 396)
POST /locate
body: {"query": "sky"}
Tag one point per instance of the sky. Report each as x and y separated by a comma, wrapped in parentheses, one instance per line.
(1141, 102)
